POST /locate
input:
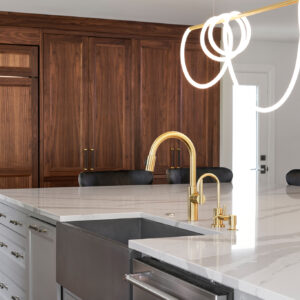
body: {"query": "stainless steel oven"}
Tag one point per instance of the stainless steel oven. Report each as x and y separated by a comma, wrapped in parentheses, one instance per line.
(152, 279)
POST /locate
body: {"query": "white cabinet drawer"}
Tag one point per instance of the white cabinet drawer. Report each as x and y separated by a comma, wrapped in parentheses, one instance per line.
(42, 261)
(13, 245)
(13, 256)
(8, 290)
(13, 219)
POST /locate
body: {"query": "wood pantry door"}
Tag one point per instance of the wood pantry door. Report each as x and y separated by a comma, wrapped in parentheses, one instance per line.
(111, 134)
(157, 101)
(199, 110)
(65, 105)
(18, 116)
(18, 132)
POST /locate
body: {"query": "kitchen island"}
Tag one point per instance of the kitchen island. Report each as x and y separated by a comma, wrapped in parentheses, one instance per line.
(261, 259)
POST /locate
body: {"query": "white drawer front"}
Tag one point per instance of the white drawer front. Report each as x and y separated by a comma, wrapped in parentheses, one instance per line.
(13, 219)
(8, 290)
(13, 256)
(13, 245)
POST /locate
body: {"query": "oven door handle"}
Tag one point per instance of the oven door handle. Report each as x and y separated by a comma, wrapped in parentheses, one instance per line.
(135, 279)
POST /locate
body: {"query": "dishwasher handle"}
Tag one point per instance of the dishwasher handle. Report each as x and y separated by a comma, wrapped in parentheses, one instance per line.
(135, 279)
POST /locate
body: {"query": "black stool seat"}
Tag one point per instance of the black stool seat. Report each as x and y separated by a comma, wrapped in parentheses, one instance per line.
(293, 177)
(106, 178)
(182, 175)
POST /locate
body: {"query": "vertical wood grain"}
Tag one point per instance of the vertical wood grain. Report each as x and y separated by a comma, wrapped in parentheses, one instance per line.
(111, 106)
(65, 104)
(157, 100)
(199, 109)
(18, 133)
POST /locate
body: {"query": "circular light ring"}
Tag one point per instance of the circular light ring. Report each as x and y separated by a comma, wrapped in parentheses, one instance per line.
(292, 83)
(226, 54)
(186, 72)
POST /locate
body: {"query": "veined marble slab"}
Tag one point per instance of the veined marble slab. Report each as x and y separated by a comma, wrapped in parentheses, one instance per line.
(262, 258)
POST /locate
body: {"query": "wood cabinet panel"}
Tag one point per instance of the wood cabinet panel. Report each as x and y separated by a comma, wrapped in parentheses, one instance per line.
(18, 132)
(199, 109)
(110, 109)
(18, 60)
(20, 35)
(65, 106)
(157, 100)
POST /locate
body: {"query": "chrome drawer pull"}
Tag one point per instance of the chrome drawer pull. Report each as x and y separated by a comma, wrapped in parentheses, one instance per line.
(134, 279)
(15, 223)
(33, 227)
(2, 245)
(17, 254)
(3, 286)
(15, 298)
(2, 215)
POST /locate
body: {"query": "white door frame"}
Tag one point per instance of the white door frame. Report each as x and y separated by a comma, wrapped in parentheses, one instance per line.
(226, 114)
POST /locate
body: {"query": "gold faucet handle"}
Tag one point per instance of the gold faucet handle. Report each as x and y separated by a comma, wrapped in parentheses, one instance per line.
(232, 222)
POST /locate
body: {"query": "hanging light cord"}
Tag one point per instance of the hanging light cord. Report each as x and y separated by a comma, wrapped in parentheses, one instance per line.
(228, 53)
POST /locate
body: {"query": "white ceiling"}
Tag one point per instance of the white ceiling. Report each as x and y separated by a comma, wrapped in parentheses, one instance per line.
(280, 24)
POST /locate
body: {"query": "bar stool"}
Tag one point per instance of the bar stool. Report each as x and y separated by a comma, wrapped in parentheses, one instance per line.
(182, 175)
(293, 177)
(108, 178)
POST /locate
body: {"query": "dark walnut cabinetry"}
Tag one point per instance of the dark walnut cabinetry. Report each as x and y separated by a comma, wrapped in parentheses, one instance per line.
(18, 116)
(106, 90)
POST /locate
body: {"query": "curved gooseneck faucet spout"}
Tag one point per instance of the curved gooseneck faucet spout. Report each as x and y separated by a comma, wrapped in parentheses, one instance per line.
(200, 187)
(193, 194)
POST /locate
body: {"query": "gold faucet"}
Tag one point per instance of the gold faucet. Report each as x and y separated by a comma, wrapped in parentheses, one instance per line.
(219, 213)
(193, 200)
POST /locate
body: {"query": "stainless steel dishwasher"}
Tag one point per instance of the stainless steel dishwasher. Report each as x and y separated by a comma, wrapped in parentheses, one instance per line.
(152, 279)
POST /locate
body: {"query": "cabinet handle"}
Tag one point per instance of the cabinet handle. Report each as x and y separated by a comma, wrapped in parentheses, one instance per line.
(178, 158)
(3, 286)
(33, 227)
(172, 157)
(85, 159)
(92, 168)
(2, 245)
(2, 215)
(15, 298)
(43, 230)
(17, 254)
(137, 280)
(14, 222)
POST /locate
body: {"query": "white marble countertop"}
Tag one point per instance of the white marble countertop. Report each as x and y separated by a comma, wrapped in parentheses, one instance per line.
(262, 258)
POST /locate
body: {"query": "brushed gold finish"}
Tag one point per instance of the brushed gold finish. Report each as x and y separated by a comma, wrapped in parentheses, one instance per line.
(193, 196)
(33, 227)
(85, 157)
(43, 230)
(220, 217)
(2, 215)
(178, 158)
(172, 152)
(15, 298)
(3, 286)
(92, 168)
(253, 12)
(14, 222)
(219, 214)
(3, 245)
(200, 187)
(17, 254)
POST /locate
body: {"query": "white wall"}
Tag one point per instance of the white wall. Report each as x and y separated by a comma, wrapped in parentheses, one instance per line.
(280, 55)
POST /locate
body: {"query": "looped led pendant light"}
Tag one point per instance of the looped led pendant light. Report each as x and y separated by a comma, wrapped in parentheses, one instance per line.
(228, 53)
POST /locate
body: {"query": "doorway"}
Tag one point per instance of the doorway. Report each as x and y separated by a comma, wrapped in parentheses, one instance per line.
(247, 137)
